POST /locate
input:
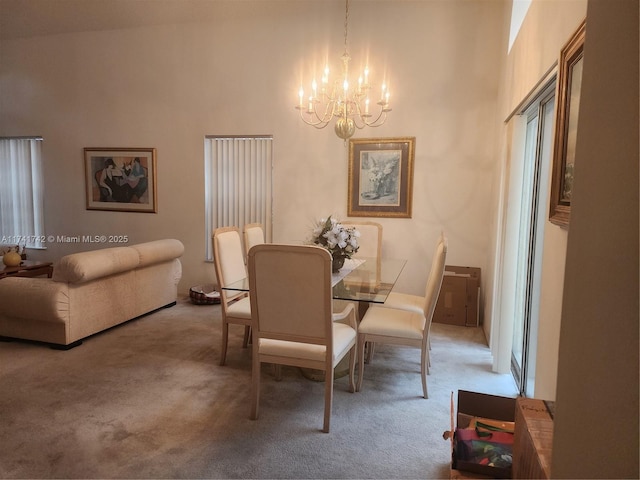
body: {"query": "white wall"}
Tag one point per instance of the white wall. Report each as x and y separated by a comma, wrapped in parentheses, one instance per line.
(598, 372)
(167, 86)
(547, 26)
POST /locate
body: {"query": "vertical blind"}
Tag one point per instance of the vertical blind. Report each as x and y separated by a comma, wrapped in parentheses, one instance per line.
(21, 191)
(237, 184)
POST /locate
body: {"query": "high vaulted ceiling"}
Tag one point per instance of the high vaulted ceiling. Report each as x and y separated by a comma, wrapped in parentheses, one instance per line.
(28, 18)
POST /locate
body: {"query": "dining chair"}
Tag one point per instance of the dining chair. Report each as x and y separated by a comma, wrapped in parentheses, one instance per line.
(370, 238)
(228, 258)
(253, 234)
(293, 323)
(413, 303)
(404, 327)
(370, 246)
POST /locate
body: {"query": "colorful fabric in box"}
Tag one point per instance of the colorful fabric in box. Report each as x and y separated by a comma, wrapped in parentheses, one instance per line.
(492, 449)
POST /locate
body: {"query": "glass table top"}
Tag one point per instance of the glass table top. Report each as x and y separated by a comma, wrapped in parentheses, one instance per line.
(361, 280)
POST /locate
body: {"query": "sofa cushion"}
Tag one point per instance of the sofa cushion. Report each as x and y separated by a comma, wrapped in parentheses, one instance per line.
(158, 251)
(84, 266)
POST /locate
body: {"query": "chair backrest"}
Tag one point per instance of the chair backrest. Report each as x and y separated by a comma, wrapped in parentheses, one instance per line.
(253, 235)
(290, 289)
(434, 282)
(370, 238)
(228, 258)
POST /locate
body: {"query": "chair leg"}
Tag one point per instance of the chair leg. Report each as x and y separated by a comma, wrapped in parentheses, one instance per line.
(247, 336)
(429, 351)
(370, 350)
(255, 385)
(352, 367)
(225, 339)
(328, 398)
(424, 358)
(361, 342)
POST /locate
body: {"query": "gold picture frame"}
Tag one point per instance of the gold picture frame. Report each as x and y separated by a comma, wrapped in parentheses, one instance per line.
(381, 177)
(121, 179)
(566, 127)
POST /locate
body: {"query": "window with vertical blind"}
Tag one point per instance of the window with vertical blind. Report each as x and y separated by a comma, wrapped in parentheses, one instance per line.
(21, 191)
(237, 175)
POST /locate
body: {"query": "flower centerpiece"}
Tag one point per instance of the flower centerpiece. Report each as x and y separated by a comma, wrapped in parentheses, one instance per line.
(341, 241)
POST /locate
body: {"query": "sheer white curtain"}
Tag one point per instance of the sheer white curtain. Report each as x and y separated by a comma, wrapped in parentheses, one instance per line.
(21, 191)
(237, 183)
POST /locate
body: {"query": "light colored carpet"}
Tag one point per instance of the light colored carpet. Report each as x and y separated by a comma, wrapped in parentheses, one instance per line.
(148, 399)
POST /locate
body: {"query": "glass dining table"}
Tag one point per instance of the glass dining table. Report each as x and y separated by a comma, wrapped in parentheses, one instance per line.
(360, 279)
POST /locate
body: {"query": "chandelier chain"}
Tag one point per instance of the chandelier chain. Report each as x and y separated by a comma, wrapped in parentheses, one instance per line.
(346, 25)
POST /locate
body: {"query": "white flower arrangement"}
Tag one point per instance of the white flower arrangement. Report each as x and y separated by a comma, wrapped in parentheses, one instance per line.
(330, 234)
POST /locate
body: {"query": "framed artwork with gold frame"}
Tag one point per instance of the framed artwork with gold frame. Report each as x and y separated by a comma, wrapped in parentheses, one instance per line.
(121, 179)
(381, 177)
(566, 128)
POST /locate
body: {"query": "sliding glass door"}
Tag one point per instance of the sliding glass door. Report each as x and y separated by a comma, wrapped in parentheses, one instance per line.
(533, 213)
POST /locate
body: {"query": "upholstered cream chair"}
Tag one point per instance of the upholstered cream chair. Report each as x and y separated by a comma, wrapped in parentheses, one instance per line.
(253, 235)
(413, 303)
(407, 301)
(370, 238)
(228, 258)
(405, 327)
(293, 323)
(370, 246)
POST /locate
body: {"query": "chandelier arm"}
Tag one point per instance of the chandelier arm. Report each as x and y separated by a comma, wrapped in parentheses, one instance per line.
(382, 117)
(329, 109)
(318, 126)
(361, 123)
(319, 122)
(360, 119)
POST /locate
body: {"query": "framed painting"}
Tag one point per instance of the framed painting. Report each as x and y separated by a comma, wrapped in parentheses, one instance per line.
(381, 177)
(566, 128)
(121, 179)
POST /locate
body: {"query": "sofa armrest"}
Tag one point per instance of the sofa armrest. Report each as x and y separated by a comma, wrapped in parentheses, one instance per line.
(158, 251)
(34, 298)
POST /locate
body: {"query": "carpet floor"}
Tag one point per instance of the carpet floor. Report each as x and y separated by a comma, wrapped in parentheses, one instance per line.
(147, 399)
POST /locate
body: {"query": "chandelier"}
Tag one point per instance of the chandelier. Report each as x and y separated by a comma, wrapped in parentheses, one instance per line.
(350, 103)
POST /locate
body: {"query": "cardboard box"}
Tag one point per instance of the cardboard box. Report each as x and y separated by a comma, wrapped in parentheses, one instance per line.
(459, 300)
(473, 404)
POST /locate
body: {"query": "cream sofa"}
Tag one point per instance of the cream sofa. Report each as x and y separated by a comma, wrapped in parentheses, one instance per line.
(90, 292)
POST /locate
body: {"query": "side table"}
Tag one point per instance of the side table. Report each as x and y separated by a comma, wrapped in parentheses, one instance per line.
(27, 268)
